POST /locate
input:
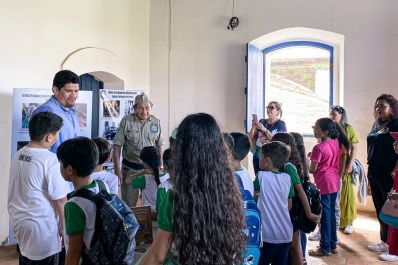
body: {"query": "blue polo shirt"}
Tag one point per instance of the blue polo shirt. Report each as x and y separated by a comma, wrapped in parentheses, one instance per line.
(70, 129)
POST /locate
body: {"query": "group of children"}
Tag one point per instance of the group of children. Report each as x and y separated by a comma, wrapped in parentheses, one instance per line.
(283, 167)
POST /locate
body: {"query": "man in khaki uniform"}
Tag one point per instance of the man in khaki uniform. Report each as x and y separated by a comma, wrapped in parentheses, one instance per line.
(135, 132)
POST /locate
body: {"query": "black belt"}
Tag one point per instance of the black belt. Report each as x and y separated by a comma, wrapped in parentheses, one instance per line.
(132, 165)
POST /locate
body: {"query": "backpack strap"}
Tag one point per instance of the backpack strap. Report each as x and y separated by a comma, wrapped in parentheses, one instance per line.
(85, 193)
(101, 185)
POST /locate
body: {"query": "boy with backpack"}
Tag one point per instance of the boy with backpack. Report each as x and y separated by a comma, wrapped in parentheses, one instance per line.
(274, 204)
(37, 194)
(240, 149)
(99, 226)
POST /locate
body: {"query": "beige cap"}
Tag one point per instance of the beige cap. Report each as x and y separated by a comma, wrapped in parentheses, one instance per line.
(140, 99)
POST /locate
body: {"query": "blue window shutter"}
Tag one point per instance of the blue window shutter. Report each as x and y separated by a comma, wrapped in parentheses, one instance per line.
(255, 84)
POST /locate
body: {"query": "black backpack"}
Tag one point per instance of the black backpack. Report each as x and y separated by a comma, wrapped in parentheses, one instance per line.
(314, 199)
(113, 242)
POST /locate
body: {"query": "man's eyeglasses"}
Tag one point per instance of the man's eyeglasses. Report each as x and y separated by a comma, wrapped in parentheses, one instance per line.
(271, 107)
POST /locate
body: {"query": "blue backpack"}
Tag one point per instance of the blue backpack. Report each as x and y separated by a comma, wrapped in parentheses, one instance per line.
(113, 242)
(253, 226)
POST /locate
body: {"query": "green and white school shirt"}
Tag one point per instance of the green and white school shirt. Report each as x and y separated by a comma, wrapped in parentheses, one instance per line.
(162, 191)
(291, 170)
(80, 216)
(149, 188)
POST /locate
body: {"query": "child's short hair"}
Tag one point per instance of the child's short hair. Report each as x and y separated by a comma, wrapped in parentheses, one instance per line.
(241, 145)
(80, 153)
(167, 159)
(104, 149)
(43, 123)
(277, 151)
(229, 141)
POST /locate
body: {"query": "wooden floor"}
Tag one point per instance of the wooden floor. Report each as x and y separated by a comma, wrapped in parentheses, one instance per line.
(352, 249)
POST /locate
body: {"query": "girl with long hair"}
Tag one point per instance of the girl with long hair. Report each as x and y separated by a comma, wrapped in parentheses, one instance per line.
(382, 160)
(346, 209)
(327, 166)
(263, 130)
(294, 168)
(298, 138)
(201, 219)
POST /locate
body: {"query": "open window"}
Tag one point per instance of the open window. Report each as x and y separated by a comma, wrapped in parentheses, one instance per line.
(304, 75)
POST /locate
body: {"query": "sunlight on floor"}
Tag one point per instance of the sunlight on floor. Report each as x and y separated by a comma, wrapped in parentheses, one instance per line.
(367, 223)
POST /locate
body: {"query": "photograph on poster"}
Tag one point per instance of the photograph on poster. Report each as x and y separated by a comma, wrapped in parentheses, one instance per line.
(110, 130)
(82, 114)
(128, 107)
(111, 108)
(27, 111)
(21, 144)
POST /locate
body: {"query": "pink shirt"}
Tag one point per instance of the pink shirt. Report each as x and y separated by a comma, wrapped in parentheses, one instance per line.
(326, 154)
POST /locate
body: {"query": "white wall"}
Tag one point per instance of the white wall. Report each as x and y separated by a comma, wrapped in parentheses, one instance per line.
(37, 36)
(207, 69)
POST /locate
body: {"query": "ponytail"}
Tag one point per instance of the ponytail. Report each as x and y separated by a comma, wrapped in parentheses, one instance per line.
(150, 155)
(342, 137)
(334, 131)
(156, 174)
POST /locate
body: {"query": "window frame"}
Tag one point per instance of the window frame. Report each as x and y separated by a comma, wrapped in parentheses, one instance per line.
(315, 44)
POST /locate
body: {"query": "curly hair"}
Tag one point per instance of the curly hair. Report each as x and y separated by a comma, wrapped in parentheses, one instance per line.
(294, 158)
(207, 212)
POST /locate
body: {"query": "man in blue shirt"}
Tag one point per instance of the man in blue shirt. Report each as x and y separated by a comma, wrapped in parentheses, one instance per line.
(62, 103)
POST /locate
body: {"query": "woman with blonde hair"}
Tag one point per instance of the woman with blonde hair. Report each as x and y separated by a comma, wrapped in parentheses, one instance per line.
(263, 130)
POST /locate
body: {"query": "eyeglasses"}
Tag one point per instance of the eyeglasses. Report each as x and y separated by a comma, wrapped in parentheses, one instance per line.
(271, 107)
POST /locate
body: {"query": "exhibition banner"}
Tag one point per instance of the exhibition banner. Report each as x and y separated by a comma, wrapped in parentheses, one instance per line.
(25, 102)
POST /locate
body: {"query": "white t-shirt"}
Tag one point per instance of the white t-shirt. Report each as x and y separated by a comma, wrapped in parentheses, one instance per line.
(246, 179)
(35, 181)
(110, 179)
(276, 226)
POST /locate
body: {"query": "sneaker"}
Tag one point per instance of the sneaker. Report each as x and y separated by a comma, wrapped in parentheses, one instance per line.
(348, 229)
(380, 247)
(388, 257)
(334, 251)
(315, 236)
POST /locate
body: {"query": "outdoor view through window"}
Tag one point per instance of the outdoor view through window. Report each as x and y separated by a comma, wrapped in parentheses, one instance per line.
(299, 78)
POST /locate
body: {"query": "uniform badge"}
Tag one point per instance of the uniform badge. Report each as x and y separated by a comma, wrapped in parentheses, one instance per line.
(154, 128)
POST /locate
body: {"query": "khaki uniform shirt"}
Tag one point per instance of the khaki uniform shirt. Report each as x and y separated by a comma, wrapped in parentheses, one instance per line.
(134, 134)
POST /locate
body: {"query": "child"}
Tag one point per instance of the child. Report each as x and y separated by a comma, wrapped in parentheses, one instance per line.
(299, 140)
(201, 219)
(294, 168)
(240, 150)
(166, 185)
(104, 150)
(150, 178)
(274, 204)
(78, 158)
(37, 194)
(327, 166)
